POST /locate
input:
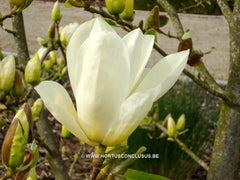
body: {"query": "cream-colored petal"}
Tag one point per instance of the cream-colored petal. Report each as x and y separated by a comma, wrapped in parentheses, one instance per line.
(103, 71)
(132, 112)
(58, 102)
(139, 48)
(77, 39)
(164, 74)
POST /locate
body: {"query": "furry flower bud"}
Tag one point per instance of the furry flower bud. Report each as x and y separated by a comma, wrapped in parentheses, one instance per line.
(17, 2)
(37, 108)
(13, 146)
(19, 85)
(171, 127)
(33, 70)
(50, 60)
(56, 16)
(65, 133)
(115, 6)
(7, 73)
(128, 10)
(181, 123)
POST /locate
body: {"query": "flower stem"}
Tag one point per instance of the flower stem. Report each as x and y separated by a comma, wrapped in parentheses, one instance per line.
(97, 161)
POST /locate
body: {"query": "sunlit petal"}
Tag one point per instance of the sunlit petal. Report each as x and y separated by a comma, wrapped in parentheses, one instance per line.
(58, 102)
(77, 39)
(103, 72)
(164, 74)
(132, 112)
(139, 48)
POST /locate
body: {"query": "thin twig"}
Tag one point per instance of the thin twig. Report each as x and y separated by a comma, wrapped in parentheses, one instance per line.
(12, 14)
(75, 159)
(192, 6)
(60, 43)
(166, 34)
(8, 30)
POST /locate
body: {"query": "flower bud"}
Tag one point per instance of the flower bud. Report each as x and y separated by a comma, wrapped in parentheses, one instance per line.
(65, 133)
(128, 12)
(171, 127)
(115, 6)
(51, 31)
(64, 71)
(195, 58)
(181, 123)
(24, 115)
(61, 62)
(186, 42)
(37, 108)
(50, 60)
(7, 73)
(33, 70)
(67, 32)
(17, 2)
(152, 21)
(19, 85)
(13, 149)
(56, 16)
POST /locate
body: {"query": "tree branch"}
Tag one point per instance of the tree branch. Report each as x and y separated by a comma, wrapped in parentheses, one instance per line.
(173, 16)
(226, 10)
(20, 39)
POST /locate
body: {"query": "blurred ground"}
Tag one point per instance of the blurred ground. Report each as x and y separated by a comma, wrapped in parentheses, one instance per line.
(210, 33)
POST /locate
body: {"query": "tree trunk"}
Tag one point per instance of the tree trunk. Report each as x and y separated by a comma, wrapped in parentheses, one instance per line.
(225, 157)
(20, 39)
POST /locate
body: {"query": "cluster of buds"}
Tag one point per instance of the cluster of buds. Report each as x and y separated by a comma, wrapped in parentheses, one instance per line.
(124, 8)
(173, 128)
(17, 155)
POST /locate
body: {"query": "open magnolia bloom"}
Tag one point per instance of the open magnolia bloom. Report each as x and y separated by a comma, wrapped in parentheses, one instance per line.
(112, 87)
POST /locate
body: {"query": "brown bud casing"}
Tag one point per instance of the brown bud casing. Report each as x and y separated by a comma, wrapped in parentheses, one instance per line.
(152, 21)
(51, 31)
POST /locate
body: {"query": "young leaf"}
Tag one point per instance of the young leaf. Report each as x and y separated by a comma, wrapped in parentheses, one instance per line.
(133, 174)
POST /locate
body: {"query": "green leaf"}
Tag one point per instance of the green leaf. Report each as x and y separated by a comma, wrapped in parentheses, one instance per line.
(152, 32)
(133, 174)
(67, 5)
(209, 3)
(110, 22)
(147, 120)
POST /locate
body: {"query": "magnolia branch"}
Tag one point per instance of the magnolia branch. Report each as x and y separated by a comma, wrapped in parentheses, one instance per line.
(226, 10)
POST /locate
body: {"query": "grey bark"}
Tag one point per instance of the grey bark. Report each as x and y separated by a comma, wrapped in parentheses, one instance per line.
(51, 145)
(20, 39)
(225, 157)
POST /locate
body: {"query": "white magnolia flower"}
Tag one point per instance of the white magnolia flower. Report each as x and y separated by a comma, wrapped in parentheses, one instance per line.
(67, 32)
(112, 88)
